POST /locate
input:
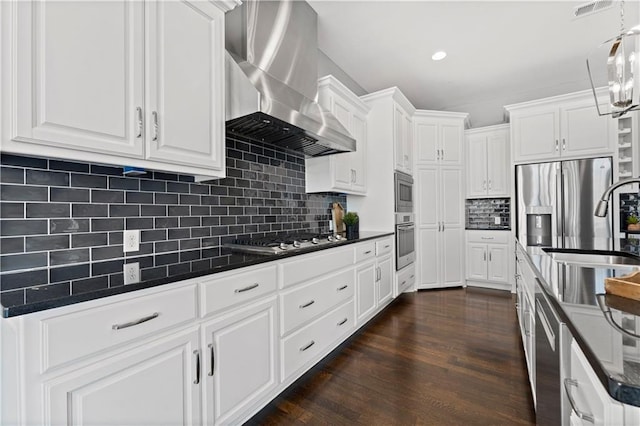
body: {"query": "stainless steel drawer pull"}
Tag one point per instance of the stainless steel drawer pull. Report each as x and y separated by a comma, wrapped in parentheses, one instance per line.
(197, 379)
(304, 348)
(486, 238)
(343, 287)
(582, 415)
(411, 277)
(136, 322)
(367, 252)
(404, 282)
(251, 287)
(213, 359)
(306, 305)
(387, 246)
(343, 321)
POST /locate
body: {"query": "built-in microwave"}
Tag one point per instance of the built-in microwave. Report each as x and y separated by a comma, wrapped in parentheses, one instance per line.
(403, 193)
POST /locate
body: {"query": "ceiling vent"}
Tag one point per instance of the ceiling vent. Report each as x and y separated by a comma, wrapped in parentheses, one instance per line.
(591, 8)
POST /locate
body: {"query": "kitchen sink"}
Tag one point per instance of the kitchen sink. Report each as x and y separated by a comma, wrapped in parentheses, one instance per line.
(593, 258)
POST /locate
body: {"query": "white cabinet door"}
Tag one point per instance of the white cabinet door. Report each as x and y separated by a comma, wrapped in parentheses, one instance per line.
(498, 263)
(185, 96)
(399, 136)
(426, 137)
(78, 79)
(429, 260)
(451, 144)
(385, 282)
(498, 164)
(241, 360)
(451, 198)
(357, 159)
(408, 145)
(366, 291)
(153, 384)
(452, 257)
(343, 172)
(535, 136)
(477, 261)
(583, 133)
(477, 166)
(428, 181)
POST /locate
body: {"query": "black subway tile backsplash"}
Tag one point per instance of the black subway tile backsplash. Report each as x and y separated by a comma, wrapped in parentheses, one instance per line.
(62, 221)
(485, 212)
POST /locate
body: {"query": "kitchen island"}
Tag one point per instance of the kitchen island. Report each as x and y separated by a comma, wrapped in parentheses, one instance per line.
(572, 289)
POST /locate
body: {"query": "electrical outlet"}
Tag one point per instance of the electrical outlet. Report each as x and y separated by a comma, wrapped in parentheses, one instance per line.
(496, 220)
(131, 273)
(131, 240)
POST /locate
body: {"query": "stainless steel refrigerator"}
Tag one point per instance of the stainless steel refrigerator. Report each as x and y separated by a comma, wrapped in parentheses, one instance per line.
(556, 202)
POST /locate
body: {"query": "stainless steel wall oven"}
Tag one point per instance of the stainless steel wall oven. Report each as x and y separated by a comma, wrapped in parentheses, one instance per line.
(405, 240)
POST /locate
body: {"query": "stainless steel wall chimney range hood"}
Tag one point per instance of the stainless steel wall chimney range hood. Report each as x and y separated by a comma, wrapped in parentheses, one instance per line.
(272, 79)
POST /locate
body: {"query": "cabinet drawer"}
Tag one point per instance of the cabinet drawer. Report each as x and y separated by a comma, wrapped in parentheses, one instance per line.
(406, 278)
(365, 251)
(307, 343)
(488, 237)
(384, 246)
(309, 301)
(589, 395)
(78, 334)
(235, 288)
(312, 265)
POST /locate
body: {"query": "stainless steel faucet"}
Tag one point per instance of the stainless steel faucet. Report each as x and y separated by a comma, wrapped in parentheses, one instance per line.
(603, 204)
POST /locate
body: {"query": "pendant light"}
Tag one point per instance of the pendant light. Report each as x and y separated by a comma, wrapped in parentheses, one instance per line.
(622, 70)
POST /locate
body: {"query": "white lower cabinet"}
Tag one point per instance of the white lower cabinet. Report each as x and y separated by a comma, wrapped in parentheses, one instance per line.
(588, 395)
(405, 279)
(489, 259)
(240, 360)
(206, 351)
(153, 384)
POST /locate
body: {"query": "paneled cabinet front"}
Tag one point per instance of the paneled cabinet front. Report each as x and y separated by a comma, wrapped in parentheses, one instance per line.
(123, 82)
(155, 384)
(239, 361)
(565, 126)
(488, 169)
(345, 172)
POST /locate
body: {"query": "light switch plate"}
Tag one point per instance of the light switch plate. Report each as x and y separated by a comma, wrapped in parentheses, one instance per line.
(496, 220)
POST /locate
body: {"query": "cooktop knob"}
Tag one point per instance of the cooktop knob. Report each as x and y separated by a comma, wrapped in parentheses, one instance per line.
(329, 237)
(296, 244)
(338, 237)
(283, 246)
(314, 240)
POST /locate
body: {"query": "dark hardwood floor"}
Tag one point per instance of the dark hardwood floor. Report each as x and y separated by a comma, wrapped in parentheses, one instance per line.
(438, 357)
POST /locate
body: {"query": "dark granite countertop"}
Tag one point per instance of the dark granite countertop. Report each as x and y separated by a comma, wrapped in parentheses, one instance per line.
(235, 261)
(572, 289)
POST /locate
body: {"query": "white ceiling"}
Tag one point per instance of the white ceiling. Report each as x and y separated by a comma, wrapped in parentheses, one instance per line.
(499, 52)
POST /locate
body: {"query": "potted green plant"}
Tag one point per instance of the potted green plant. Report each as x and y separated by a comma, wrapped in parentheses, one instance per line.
(352, 223)
(633, 223)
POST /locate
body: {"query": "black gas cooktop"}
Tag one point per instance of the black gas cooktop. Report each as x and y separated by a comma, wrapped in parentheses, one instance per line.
(283, 243)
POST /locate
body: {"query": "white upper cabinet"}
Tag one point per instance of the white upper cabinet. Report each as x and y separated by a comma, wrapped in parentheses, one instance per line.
(118, 82)
(565, 126)
(403, 140)
(439, 137)
(489, 164)
(341, 172)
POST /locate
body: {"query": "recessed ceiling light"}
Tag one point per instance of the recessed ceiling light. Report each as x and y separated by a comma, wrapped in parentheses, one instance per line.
(439, 55)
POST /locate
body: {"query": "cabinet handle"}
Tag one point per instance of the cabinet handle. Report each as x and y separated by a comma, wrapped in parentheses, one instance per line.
(489, 256)
(212, 356)
(343, 287)
(581, 414)
(484, 255)
(304, 348)
(387, 246)
(442, 226)
(355, 175)
(154, 117)
(342, 322)
(564, 144)
(306, 305)
(367, 252)
(442, 154)
(557, 146)
(135, 322)
(489, 184)
(411, 277)
(139, 121)
(197, 379)
(251, 287)
(404, 282)
(486, 238)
